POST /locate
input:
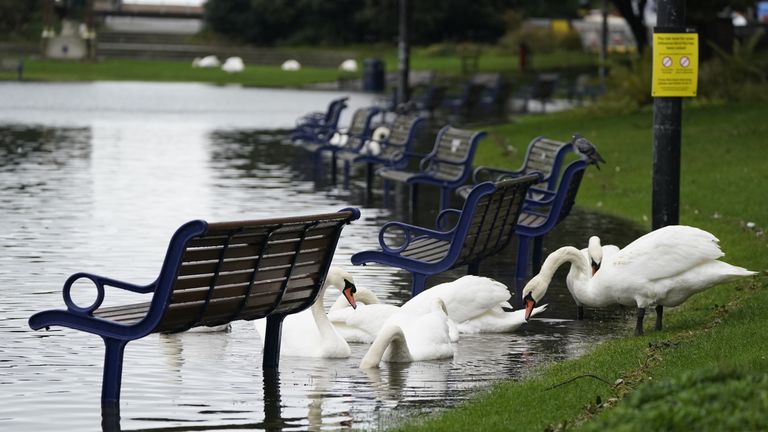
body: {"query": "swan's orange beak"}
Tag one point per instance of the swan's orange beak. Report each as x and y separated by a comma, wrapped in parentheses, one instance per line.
(595, 267)
(530, 303)
(349, 293)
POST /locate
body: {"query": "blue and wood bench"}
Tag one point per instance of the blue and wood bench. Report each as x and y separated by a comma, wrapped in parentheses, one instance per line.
(543, 155)
(349, 140)
(318, 126)
(485, 226)
(212, 274)
(447, 166)
(391, 152)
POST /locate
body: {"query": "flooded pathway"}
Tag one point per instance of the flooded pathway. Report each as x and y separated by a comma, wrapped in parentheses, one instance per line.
(96, 177)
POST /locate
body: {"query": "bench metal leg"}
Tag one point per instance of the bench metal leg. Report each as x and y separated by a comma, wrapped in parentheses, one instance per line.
(113, 373)
(387, 185)
(537, 252)
(419, 280)
(369, 183)
(521, 270)
(333, 168)
(347, 170)
(272, 342)
(445, 198)
(414, 200)
(473, 268)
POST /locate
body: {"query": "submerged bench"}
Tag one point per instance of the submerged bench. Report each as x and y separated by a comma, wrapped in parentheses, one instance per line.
(213, 274)
(319, 126)
(485, 226)
(544, 156)
(447, 166)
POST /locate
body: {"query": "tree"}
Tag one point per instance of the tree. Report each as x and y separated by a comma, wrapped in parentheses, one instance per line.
(17, 16)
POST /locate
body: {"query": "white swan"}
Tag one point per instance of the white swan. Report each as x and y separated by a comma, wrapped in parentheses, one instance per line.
(661, 268)
(595, 253)
(233, 65)
(290, 65)
(363, 323)
(407, 336)
(475, 304)
(309, 333)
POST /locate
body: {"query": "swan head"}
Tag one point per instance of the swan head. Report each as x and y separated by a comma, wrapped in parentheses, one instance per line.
(533, 293)
(342, 281)
(595, 252)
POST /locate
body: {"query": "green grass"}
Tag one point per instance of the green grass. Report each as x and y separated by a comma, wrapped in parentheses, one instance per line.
(708, 370)
(154, 70)
(271, 76)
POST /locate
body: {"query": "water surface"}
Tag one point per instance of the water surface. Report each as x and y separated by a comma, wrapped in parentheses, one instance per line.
(96, 177)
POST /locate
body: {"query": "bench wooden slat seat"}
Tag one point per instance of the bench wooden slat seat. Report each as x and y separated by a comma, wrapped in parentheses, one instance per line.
(392, 152)
(447, 166)
(539, 217)
(485, 225)
(544, 155)
(319, 126)
(212, 274)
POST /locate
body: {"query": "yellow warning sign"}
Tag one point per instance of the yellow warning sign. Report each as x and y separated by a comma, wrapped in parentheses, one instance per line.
(675, 64)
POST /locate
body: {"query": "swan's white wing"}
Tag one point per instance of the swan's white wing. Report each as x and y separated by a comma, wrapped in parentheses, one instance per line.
(367, 319)
(464, 298)
(663, 253)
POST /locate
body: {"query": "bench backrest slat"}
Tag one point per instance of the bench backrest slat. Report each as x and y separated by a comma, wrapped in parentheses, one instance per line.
(452, 155)
(247, 270)
(401, 133)
(492, 224)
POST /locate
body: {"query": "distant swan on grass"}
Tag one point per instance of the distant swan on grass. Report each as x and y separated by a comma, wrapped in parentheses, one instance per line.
(662, 268)
(309, 333)
(233, 65)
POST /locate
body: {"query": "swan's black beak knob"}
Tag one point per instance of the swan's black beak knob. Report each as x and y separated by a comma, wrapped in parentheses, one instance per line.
(349, 293)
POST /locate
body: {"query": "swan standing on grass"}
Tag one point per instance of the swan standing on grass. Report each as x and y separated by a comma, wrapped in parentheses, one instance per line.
(408, 336)
(309, 333)
(661, 268)
(474, 304)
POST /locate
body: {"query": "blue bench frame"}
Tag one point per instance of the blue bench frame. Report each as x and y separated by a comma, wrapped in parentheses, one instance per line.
(318, 126)
(212, 274)
(485, 226)
(543, 155)
(440, 167)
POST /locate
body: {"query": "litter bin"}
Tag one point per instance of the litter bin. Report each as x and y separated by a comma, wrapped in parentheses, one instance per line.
(373, 75)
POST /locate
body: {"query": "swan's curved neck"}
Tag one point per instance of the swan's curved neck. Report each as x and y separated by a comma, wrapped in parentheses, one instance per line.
(566, 254)
(389, 335)
(324, 325)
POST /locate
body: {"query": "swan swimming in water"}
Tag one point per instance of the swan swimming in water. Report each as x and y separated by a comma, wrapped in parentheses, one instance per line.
(407, 336)
(309, 333)
(474, 304)
(661, 268)
(363, 323)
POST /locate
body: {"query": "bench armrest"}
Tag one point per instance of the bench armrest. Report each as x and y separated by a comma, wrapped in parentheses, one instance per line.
(539, 196)
(409, 231)
(441, 220)
(100, 282)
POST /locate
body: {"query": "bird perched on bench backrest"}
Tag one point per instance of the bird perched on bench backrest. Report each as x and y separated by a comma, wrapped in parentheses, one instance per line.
(586, 148)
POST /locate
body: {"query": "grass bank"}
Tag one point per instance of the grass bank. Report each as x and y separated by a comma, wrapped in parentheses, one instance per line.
(36, 69)
(708, 370)
(170, 71)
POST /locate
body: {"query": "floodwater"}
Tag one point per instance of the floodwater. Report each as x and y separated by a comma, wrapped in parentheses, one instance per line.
(96, 177)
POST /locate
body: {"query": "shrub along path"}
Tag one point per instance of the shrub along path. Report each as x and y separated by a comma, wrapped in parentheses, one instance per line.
(708, 369)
